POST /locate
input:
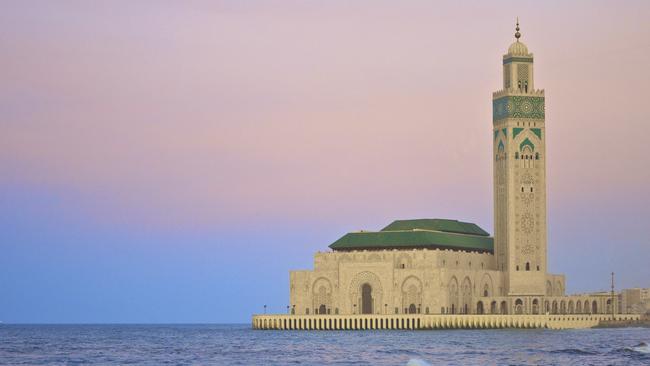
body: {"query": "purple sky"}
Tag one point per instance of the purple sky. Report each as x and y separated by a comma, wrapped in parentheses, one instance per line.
(170, 161)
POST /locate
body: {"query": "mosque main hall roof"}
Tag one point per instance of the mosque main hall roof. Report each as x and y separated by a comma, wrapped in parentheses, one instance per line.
(419, 234)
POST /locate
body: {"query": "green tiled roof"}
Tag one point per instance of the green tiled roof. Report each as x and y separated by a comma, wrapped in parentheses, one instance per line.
(450, 226)
(423, 233)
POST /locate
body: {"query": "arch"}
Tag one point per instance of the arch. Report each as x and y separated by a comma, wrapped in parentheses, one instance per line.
(562, 307)
(452, 290)
(504, 307)
(609, 306)
(519, 306)
(586, 307)
(493, 307)
(355, 291)
(578, 307)
(526, 146)
(466, 291)
(549, 288)
(321, 295)
(554, 310)
(558, 288)
(411, 293)
(412, 309)
(535, 306)
(479, 308)
(486, 286)
(594, 307)
(547, 306)
(366, 299)
(571, 308)
(527, 266)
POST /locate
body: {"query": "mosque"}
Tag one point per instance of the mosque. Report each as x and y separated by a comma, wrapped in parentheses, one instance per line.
(447, 267)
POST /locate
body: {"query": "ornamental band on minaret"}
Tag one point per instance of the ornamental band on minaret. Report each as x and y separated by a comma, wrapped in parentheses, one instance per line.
(441, 273)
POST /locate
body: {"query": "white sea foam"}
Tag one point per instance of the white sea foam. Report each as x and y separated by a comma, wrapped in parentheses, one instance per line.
(641, 347)
(417, 362)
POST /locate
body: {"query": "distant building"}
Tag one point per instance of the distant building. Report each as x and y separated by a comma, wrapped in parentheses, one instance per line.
(436, 266)
(634, 301)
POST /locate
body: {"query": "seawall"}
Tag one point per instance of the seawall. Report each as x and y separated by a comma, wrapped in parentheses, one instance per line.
(420, 321)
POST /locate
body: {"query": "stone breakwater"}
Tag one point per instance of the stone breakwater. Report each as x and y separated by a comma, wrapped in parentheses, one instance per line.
(421, 321)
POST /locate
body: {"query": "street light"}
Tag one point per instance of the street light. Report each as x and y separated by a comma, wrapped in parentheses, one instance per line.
(287, 309)
(612, 305)
(264, 309)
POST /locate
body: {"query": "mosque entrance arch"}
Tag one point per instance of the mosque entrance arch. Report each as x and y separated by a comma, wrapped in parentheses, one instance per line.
(412, 309)
(366, 299)
(322, 309)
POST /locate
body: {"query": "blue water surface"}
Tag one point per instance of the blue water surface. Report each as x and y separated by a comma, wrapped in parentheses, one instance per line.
(240, 345)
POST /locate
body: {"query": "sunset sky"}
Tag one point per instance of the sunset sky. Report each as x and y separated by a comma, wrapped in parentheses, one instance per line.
(171, 161)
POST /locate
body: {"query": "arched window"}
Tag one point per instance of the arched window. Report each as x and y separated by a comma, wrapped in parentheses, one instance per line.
(517, 267)
(526, 86)
(527, 266)
(517, 155)
(531, 189)
(522, 189)
(537, 156)
(538, 267)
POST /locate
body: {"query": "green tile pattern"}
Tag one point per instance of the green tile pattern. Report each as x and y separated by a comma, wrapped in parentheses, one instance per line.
(518, 107)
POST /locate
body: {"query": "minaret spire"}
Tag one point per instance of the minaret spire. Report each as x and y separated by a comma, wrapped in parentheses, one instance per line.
(517, 34)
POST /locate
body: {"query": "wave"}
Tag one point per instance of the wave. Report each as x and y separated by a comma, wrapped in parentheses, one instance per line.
(640, 348)
(417, 362)
(574, 351)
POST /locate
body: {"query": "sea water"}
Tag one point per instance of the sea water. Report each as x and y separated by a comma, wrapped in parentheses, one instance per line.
(240, 345)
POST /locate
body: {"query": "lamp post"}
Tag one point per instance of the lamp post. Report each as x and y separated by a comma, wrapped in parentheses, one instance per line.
(287, 309)
(264, 309)
(612, 296)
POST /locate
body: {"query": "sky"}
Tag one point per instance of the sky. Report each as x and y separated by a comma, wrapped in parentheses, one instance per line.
(171, 161)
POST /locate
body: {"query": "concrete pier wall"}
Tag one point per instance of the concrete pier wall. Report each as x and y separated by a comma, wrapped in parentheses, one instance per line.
(419, 321)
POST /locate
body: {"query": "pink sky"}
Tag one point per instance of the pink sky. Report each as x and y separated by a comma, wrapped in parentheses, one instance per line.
(198, 114)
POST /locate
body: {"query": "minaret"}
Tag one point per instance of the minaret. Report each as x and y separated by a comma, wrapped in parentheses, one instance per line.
(520, 175)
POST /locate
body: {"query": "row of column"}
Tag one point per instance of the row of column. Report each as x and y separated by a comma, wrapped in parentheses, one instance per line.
(399, 322)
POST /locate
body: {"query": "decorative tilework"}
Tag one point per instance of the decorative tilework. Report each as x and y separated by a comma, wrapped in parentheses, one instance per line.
(516, 131)
(527, 142)
(518, 107)
(537, 131)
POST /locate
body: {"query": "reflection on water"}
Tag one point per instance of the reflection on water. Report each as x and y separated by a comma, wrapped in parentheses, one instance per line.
(238, 344)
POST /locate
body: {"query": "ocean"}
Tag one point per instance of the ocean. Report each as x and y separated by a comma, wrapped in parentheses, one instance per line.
(208, 344)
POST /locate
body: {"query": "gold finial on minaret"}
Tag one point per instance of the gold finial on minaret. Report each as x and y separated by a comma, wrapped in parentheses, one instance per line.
(517, 34)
